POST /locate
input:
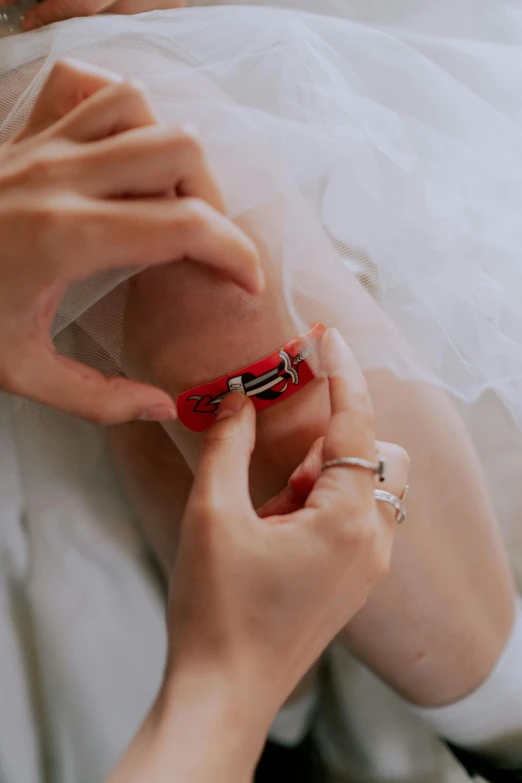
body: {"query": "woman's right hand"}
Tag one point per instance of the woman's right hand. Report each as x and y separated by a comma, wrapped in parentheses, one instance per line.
(256, 601)
(94, 183)
(49, 11)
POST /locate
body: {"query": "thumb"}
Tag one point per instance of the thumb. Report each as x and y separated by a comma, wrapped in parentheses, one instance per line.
(221, 481)
(50, 11)
(68, 386)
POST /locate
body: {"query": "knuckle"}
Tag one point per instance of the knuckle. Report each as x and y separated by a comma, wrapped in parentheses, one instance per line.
(209, 506)
(186, 140)
(368, 533)
(44, 166)
(381, 563)
(132, 95)
(48, 226)
(219, 436)
(366, 414)
(52, 163)
(357, 533)
(60, 69)
(363, 531)
(130, 90)
(194, 218)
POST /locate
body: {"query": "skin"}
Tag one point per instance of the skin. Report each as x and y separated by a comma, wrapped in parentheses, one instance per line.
(51, 11)
(87, 187)
(450, 590)
(269, 590)
(436, 627)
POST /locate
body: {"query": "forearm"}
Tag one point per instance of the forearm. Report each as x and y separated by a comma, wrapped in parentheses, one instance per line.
(157, 481)
(199, 729)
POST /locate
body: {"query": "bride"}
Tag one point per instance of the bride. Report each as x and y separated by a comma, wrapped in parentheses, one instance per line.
(372, 153)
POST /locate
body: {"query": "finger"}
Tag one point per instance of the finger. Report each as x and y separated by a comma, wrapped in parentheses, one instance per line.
(71, 387)
(221, 481)
(135, 233)
(139, 6)
(286, 502)
(397, 467)
(306, 474)
(302, 480)
(299, 486)
(350, 433)
(69, 84)
(117, 108)
(50, 11)
(150, 161)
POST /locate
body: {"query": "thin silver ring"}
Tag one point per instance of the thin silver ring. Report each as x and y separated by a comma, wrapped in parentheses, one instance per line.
(377, 468)
(393, 500)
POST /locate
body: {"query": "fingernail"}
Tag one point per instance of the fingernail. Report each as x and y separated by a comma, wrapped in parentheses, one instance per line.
(232, 404)
(159, 412)
(334, 353)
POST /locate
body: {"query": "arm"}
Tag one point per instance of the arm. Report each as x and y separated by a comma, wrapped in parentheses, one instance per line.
(199, 729)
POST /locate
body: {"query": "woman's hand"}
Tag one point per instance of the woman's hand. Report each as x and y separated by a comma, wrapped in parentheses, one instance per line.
(256, 601)
(49, 11)
(303, 479)
(87, 187)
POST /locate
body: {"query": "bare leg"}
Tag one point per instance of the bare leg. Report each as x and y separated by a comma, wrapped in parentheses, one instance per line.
(437, 626)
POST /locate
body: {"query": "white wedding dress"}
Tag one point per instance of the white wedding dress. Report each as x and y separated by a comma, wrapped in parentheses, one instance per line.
(400, 123)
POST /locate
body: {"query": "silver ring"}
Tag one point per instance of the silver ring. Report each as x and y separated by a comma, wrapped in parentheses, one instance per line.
(393, 500)
(378, 468)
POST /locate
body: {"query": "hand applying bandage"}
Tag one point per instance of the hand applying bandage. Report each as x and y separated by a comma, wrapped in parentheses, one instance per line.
(255, 601)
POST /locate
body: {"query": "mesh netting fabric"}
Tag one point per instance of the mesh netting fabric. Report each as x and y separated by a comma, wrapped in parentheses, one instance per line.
(405, 144)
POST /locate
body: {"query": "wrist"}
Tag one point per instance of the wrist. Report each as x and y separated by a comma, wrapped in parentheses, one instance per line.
(217, 717)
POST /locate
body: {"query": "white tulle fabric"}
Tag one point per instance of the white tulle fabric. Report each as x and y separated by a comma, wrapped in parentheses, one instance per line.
(405, 138)
(400, 125)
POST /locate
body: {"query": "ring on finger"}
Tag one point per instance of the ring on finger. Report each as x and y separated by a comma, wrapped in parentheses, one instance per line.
(393, 500)
(377, 468)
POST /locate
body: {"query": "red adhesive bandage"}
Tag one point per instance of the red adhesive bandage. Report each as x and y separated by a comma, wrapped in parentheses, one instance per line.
(266, 382)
